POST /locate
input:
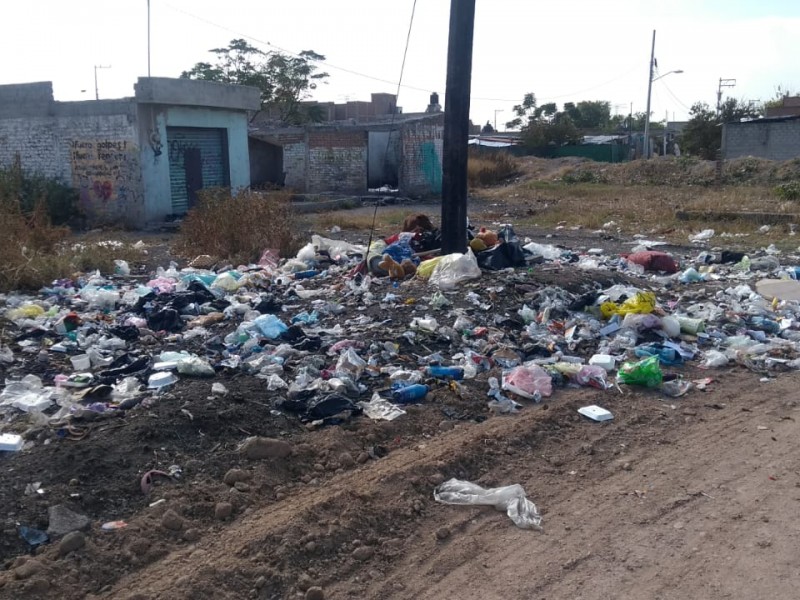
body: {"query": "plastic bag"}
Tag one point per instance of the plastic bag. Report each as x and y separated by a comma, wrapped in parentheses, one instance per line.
(350, 364)
(546, 251)
(226, 281)
(510, 499)
(195, 366)
(641, 303)
(379, 409)
(645, 372)
(426, 268)
(530, 382)
(593, 376)
(270, 326)
(714, 359)
(454, 269)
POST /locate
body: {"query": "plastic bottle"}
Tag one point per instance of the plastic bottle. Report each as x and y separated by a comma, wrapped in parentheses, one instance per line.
(441, 372)
(410, 393)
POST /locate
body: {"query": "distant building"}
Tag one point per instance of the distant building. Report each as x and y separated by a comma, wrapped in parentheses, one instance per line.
(775, 138)
(358, 147)
(133, 160)
(789, 107)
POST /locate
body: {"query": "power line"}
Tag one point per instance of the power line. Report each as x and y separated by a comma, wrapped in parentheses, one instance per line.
(674, 96)
(372, 77)
(285, 51)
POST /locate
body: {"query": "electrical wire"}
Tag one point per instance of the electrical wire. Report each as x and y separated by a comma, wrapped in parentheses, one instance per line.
(289, 52)
(363, 265)
(674, 97)
(378, 79)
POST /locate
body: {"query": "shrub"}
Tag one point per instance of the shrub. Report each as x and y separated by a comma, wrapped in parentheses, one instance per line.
(239, 227)
(789, 190)
(490, 168)
(59, 200)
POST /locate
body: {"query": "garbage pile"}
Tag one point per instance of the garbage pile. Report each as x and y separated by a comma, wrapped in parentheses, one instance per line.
(342, 330)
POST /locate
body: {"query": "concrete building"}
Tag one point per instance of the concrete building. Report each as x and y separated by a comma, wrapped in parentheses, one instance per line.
(788, 107)
(776, 138)
(352, 157)
(133, 160)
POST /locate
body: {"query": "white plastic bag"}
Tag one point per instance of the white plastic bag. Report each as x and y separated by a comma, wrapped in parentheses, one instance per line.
(454, 269)
(510, 499)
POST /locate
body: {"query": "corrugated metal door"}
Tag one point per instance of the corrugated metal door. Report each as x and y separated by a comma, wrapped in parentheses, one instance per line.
(204, 153)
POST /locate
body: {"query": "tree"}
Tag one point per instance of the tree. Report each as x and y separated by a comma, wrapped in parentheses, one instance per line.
(284, 80)
(702, 135)
(487, 128)
(589, 114)
(543, 125)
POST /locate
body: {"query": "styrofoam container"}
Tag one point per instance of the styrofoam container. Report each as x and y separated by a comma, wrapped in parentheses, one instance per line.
(595, 413)
(161, 379)
(606, 361)
(81, 362)
(10, 442)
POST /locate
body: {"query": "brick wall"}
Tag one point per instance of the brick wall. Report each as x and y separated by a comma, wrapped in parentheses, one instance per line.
(774, 140)
(421, 164)
(97, 154)
(337, 161)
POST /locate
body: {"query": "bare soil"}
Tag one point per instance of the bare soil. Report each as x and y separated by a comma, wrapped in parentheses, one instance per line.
(674, 498)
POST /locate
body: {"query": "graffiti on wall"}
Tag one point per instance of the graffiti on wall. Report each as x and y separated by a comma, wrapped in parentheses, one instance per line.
(107, 176)
(431, 166)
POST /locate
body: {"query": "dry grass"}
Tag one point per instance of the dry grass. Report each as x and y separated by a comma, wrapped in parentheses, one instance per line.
(670, 211)
(239, 228)
(359, 221)
(34, 253)
(490, 168)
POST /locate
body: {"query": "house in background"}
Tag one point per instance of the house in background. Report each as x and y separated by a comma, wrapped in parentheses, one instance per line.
(133, 160)
(775, 138)
(789, 107)
(375, 146)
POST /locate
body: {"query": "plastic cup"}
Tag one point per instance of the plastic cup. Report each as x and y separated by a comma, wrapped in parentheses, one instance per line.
(81, 362)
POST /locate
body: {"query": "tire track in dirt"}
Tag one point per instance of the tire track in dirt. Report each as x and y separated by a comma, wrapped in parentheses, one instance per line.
(674, 542)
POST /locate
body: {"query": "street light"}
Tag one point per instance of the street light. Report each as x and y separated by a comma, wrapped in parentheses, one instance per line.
(650, 81)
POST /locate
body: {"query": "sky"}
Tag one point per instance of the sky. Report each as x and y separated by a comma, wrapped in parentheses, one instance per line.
(564, 50)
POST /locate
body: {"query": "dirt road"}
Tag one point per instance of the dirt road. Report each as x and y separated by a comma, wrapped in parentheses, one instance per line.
(689, 499)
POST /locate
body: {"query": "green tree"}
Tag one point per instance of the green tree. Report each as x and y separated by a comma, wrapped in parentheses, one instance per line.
(284, 80)
(543, 125)
(702, 135)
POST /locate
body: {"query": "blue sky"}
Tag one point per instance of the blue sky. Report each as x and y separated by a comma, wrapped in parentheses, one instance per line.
(569, 50)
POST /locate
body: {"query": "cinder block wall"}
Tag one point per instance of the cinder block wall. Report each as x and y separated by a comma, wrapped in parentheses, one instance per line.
(337, 161)
(92, 146)
(421, 164)
(774, 140)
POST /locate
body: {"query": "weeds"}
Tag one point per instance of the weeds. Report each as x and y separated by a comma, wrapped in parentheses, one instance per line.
(239, 227)
(490, 168)
(29, 190)
(788, 191)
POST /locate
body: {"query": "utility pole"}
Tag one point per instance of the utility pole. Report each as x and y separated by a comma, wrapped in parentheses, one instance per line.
(96, 89)
(649, 92)
(456, 126)
(495, 118)
(148, 38)
(723, 83)
(666, 127)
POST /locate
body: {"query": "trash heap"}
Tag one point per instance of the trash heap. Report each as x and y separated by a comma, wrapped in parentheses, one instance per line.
(343, 330)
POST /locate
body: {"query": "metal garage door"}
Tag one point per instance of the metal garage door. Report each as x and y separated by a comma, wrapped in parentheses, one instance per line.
(198, 158)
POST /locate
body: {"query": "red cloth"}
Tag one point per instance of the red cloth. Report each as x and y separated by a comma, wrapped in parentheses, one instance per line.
(652, 260)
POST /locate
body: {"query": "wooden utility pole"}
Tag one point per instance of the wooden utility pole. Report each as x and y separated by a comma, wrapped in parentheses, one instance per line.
(456, 126)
